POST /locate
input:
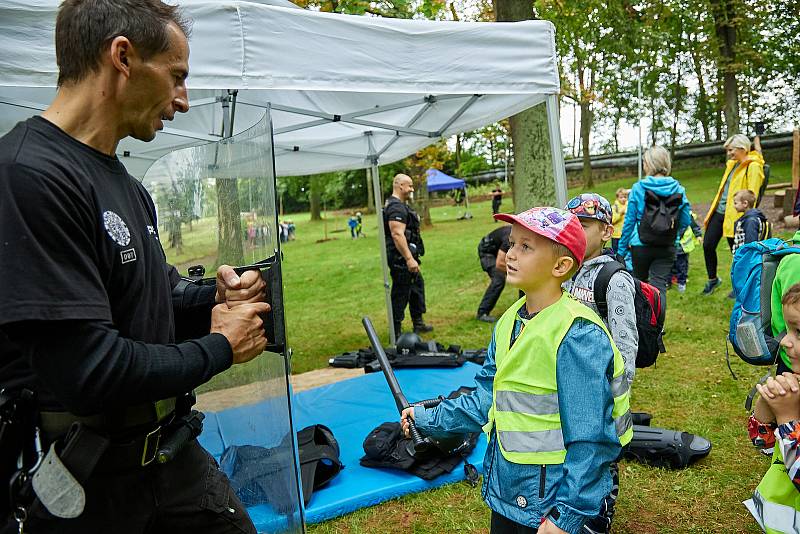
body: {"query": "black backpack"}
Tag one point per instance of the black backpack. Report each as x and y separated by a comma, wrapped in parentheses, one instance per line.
(659, 224)
(650, 312)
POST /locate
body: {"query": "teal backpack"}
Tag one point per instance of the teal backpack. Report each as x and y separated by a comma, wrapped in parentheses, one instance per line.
(752, 273)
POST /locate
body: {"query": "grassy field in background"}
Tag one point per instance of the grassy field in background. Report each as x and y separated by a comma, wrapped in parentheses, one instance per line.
(330, 285)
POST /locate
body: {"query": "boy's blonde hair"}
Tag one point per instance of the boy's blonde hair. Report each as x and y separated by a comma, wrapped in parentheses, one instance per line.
(792, 296)
(621, 190)
(746, 195)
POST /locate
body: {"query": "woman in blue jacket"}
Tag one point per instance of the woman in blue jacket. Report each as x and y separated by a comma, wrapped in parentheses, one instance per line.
(653, 262)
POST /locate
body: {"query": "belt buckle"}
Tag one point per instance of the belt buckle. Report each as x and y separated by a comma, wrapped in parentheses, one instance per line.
(148, 459)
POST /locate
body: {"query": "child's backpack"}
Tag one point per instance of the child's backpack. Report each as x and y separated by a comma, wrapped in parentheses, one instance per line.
(764, 184)
(659, 224)
(752, 273)
(650, 312)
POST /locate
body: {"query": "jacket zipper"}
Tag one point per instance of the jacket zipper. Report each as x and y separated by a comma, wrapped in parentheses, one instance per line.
(542, 478)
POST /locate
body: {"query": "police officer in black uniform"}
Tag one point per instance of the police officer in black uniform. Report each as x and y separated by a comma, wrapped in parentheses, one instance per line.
(404, 248)
(492, 251)
(100, 328)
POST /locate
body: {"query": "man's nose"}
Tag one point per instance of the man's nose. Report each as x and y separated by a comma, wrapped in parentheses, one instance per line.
(181, 100)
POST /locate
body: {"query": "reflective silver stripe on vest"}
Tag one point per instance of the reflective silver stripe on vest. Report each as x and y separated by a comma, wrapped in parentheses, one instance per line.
(517, 402)
(541, 441)
(619, 386)
(623, 422)
(775, 516)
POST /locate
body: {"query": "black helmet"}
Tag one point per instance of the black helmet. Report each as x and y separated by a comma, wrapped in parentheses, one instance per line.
(407, 342)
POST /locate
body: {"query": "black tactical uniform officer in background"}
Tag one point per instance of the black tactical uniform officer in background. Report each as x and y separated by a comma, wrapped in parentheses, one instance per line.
(97, 322)
(492, 251)
(404, 248)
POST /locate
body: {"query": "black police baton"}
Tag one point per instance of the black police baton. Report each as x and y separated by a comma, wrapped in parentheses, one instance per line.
(189, 427)
(420, 443)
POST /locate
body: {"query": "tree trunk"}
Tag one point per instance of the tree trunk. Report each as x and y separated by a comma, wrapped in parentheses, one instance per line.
(724, 13)
(314, 198)
(458, 145)
(703, 107)
(676, 110)
(370, 192)
(421, 204)
(229, 233)
(586, 126)
(533, 167)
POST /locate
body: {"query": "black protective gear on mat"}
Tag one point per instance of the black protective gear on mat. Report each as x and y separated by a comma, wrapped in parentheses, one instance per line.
(660, 447)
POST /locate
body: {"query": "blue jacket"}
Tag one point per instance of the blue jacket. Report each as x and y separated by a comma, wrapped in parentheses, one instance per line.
(526, 493)
(661, 186)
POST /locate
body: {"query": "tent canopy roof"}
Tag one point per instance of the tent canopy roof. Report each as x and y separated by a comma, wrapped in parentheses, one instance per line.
(345, 91)
(439, 181)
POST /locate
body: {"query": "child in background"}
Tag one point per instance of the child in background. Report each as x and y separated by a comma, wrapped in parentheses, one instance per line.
(352, 223)
(776, 501)
(753, 225)
(556, 413)
(685, 246)
(618, 215)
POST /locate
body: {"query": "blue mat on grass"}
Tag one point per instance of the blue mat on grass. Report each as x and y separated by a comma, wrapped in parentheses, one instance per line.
(351, 409)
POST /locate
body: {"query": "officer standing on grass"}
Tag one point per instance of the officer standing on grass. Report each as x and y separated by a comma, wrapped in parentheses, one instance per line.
(97, 315)
(492, 251)
(404, 248)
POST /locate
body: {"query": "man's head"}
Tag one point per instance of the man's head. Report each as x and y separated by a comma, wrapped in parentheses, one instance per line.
(135, 51)
(547, 245)
(743, 200)
(402, 186)
(791, 315)
(594, 213)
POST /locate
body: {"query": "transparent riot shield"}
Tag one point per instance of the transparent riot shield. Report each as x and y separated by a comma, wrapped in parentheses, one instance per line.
(216, 205)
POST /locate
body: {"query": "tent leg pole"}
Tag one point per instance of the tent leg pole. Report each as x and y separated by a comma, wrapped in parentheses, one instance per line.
(559, 170)
(376, 189)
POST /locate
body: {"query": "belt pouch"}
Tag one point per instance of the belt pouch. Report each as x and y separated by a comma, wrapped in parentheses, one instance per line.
(58, 481)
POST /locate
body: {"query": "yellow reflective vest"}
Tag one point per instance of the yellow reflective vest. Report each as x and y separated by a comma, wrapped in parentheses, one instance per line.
(776, 502)
(748, 175)
(524, 410)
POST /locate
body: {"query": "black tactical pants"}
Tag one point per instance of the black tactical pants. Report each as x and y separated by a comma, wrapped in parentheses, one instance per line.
(496, 285)
(187, 495)
(408, 289)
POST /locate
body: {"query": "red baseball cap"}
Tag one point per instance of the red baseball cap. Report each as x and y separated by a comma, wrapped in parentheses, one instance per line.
(554, 224)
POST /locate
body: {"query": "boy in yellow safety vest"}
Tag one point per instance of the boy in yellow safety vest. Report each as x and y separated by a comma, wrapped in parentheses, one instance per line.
(776, 501)
(551, 396)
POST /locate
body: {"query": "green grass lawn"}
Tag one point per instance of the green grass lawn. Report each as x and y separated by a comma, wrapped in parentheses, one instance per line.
(329, 286)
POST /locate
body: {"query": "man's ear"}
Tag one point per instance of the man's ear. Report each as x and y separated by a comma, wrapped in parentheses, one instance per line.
(563, 266)
(120, 53)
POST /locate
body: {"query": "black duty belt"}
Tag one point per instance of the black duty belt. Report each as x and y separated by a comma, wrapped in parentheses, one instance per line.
(148, 414)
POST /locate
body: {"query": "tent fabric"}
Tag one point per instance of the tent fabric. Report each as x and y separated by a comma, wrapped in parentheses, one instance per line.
(351, 409)
(345, 91)
(439, 181)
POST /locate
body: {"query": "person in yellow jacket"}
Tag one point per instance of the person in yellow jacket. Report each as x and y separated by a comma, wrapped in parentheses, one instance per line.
(776, 501)
(744, 170)
(618, 215)
(551, 397)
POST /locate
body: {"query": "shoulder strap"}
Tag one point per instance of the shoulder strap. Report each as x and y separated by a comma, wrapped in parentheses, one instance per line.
(601, 285)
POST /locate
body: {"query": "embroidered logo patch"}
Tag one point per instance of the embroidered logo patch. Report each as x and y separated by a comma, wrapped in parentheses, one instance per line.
(522, 502)
(128, 255)
(116, 228)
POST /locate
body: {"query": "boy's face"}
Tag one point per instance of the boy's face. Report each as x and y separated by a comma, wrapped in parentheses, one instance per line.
(597, 233)
(740, 203)
(530, 261)
(622, 198)
(791, 341)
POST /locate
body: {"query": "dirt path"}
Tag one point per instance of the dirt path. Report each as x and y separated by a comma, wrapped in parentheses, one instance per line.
(251, 393)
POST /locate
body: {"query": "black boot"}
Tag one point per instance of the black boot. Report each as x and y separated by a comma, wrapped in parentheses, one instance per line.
(420, 327)
(398, 329)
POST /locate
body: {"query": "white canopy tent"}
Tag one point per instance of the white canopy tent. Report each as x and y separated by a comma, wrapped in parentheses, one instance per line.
(345, 92)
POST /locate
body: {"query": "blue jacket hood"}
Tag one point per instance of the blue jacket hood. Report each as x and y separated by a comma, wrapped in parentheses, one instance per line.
(662, 186)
